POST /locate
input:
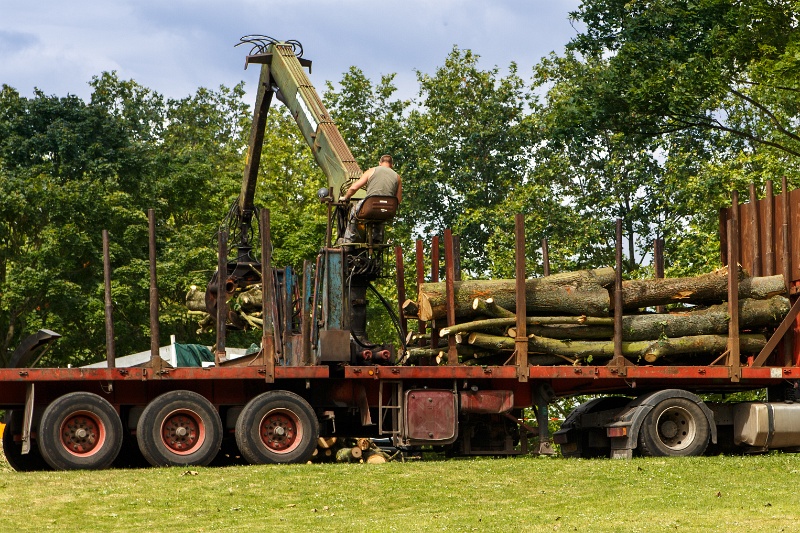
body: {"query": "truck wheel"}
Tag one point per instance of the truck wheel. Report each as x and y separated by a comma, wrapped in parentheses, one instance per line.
(676, 426)
(80, 431)
(179, 428)
(277, 427)
(29, 462)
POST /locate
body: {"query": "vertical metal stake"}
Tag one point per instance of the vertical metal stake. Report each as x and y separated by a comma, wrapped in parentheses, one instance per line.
(222, 294)
(618, 295)
(401, 288)
(755, 223)
(658, 263)
(450, 274)
(521, 340)
(267, 297)
(769, 231)
(733, 301)
(435, 278)
(110, 346)
(155, 358)
(545, 258)
(420, 262)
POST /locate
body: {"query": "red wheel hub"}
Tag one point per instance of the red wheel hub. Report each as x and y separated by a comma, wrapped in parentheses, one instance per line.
(281, 431)
(82, 433)
(183, 432)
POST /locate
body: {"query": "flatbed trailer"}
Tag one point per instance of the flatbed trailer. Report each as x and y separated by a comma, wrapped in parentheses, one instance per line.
(310, 379)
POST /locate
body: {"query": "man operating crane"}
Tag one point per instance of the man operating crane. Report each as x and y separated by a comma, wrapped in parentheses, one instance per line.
(379, 181)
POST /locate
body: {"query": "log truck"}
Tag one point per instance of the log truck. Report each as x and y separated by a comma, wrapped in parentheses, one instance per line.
(318, 375)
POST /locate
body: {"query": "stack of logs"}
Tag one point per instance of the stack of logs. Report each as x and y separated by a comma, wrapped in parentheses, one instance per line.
(568, 318)
(244, 309)
(361, 450)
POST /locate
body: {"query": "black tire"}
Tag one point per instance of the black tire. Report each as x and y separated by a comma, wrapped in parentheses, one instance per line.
(674, 427)
(179, 428)
(277, 427)
(80, 431)
(29, 462)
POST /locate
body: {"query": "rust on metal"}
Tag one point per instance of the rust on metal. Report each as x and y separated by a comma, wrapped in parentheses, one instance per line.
(420, 263)
(733, 302)
(400, 273)
(222, 301)
(450, 274)
(435, 278)
(545, 258)
(521, 340)
(156, 362)
(769, 230)
(109, 306)
(755, 224)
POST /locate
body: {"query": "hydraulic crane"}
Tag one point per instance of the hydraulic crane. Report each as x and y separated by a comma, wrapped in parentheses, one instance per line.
(343, 270)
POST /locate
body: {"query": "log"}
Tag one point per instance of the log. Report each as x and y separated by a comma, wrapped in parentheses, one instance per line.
(572, 293)
(490, 308)
(714, 320)
(650, 350)
(377, 458)
(478, 325)
(410, 309)
(349, 455)
(196, 299)
(704, 289)
(326, 442)
(363, 444)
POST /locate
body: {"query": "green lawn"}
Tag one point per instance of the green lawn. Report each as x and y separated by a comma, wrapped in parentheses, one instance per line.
(756, 493)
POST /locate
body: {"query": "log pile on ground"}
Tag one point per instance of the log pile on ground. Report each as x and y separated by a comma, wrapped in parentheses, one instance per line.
(245, 309)
(361, 450)
(569, 318)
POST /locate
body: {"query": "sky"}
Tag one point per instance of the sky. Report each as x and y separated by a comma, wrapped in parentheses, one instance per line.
(175, 46)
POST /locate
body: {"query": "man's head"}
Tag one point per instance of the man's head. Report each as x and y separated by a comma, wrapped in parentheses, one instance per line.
(386, 160)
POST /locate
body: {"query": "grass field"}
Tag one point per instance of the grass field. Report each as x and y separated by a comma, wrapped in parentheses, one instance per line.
(757, 493)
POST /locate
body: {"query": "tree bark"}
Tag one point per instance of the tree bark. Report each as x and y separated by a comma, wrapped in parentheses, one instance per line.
(572, 293)
(649, 350)
(704, 289)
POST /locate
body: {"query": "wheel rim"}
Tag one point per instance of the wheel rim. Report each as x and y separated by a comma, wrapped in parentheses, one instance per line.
(281, 431)
(82, 434)
(677, 428)
(183, 432)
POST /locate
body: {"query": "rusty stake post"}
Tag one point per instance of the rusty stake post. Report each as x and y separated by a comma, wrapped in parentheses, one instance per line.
(786, 264)
(733, 301)
(401, 288)
(521, 340)
(420, 262)
(449, 283)
(618, 295)
(435, 278)
(769, 231)
(658, 263)
(267, 297)
(110, 347)
(222, 293)
(155, 357)
(545, 258)
(755, 224)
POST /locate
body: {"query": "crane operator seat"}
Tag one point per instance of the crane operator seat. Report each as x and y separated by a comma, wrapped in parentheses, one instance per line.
(368, 219)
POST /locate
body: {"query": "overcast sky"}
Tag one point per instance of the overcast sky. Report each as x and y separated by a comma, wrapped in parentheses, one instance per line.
(176, 46)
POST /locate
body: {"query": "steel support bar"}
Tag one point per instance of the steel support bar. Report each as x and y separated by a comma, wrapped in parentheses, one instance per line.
(658, 263)
(450, 275)
(769, 231)
(305, 313)
(420, 263)
(435, 278)
(109, 306)
(521, 340)
(786, 264)
(618, 293)
(755, 224)
(783, 328)
(401, 288)
(545, 258)
(267, 297)
(734, 361)
(155, 358)
(222, 294)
